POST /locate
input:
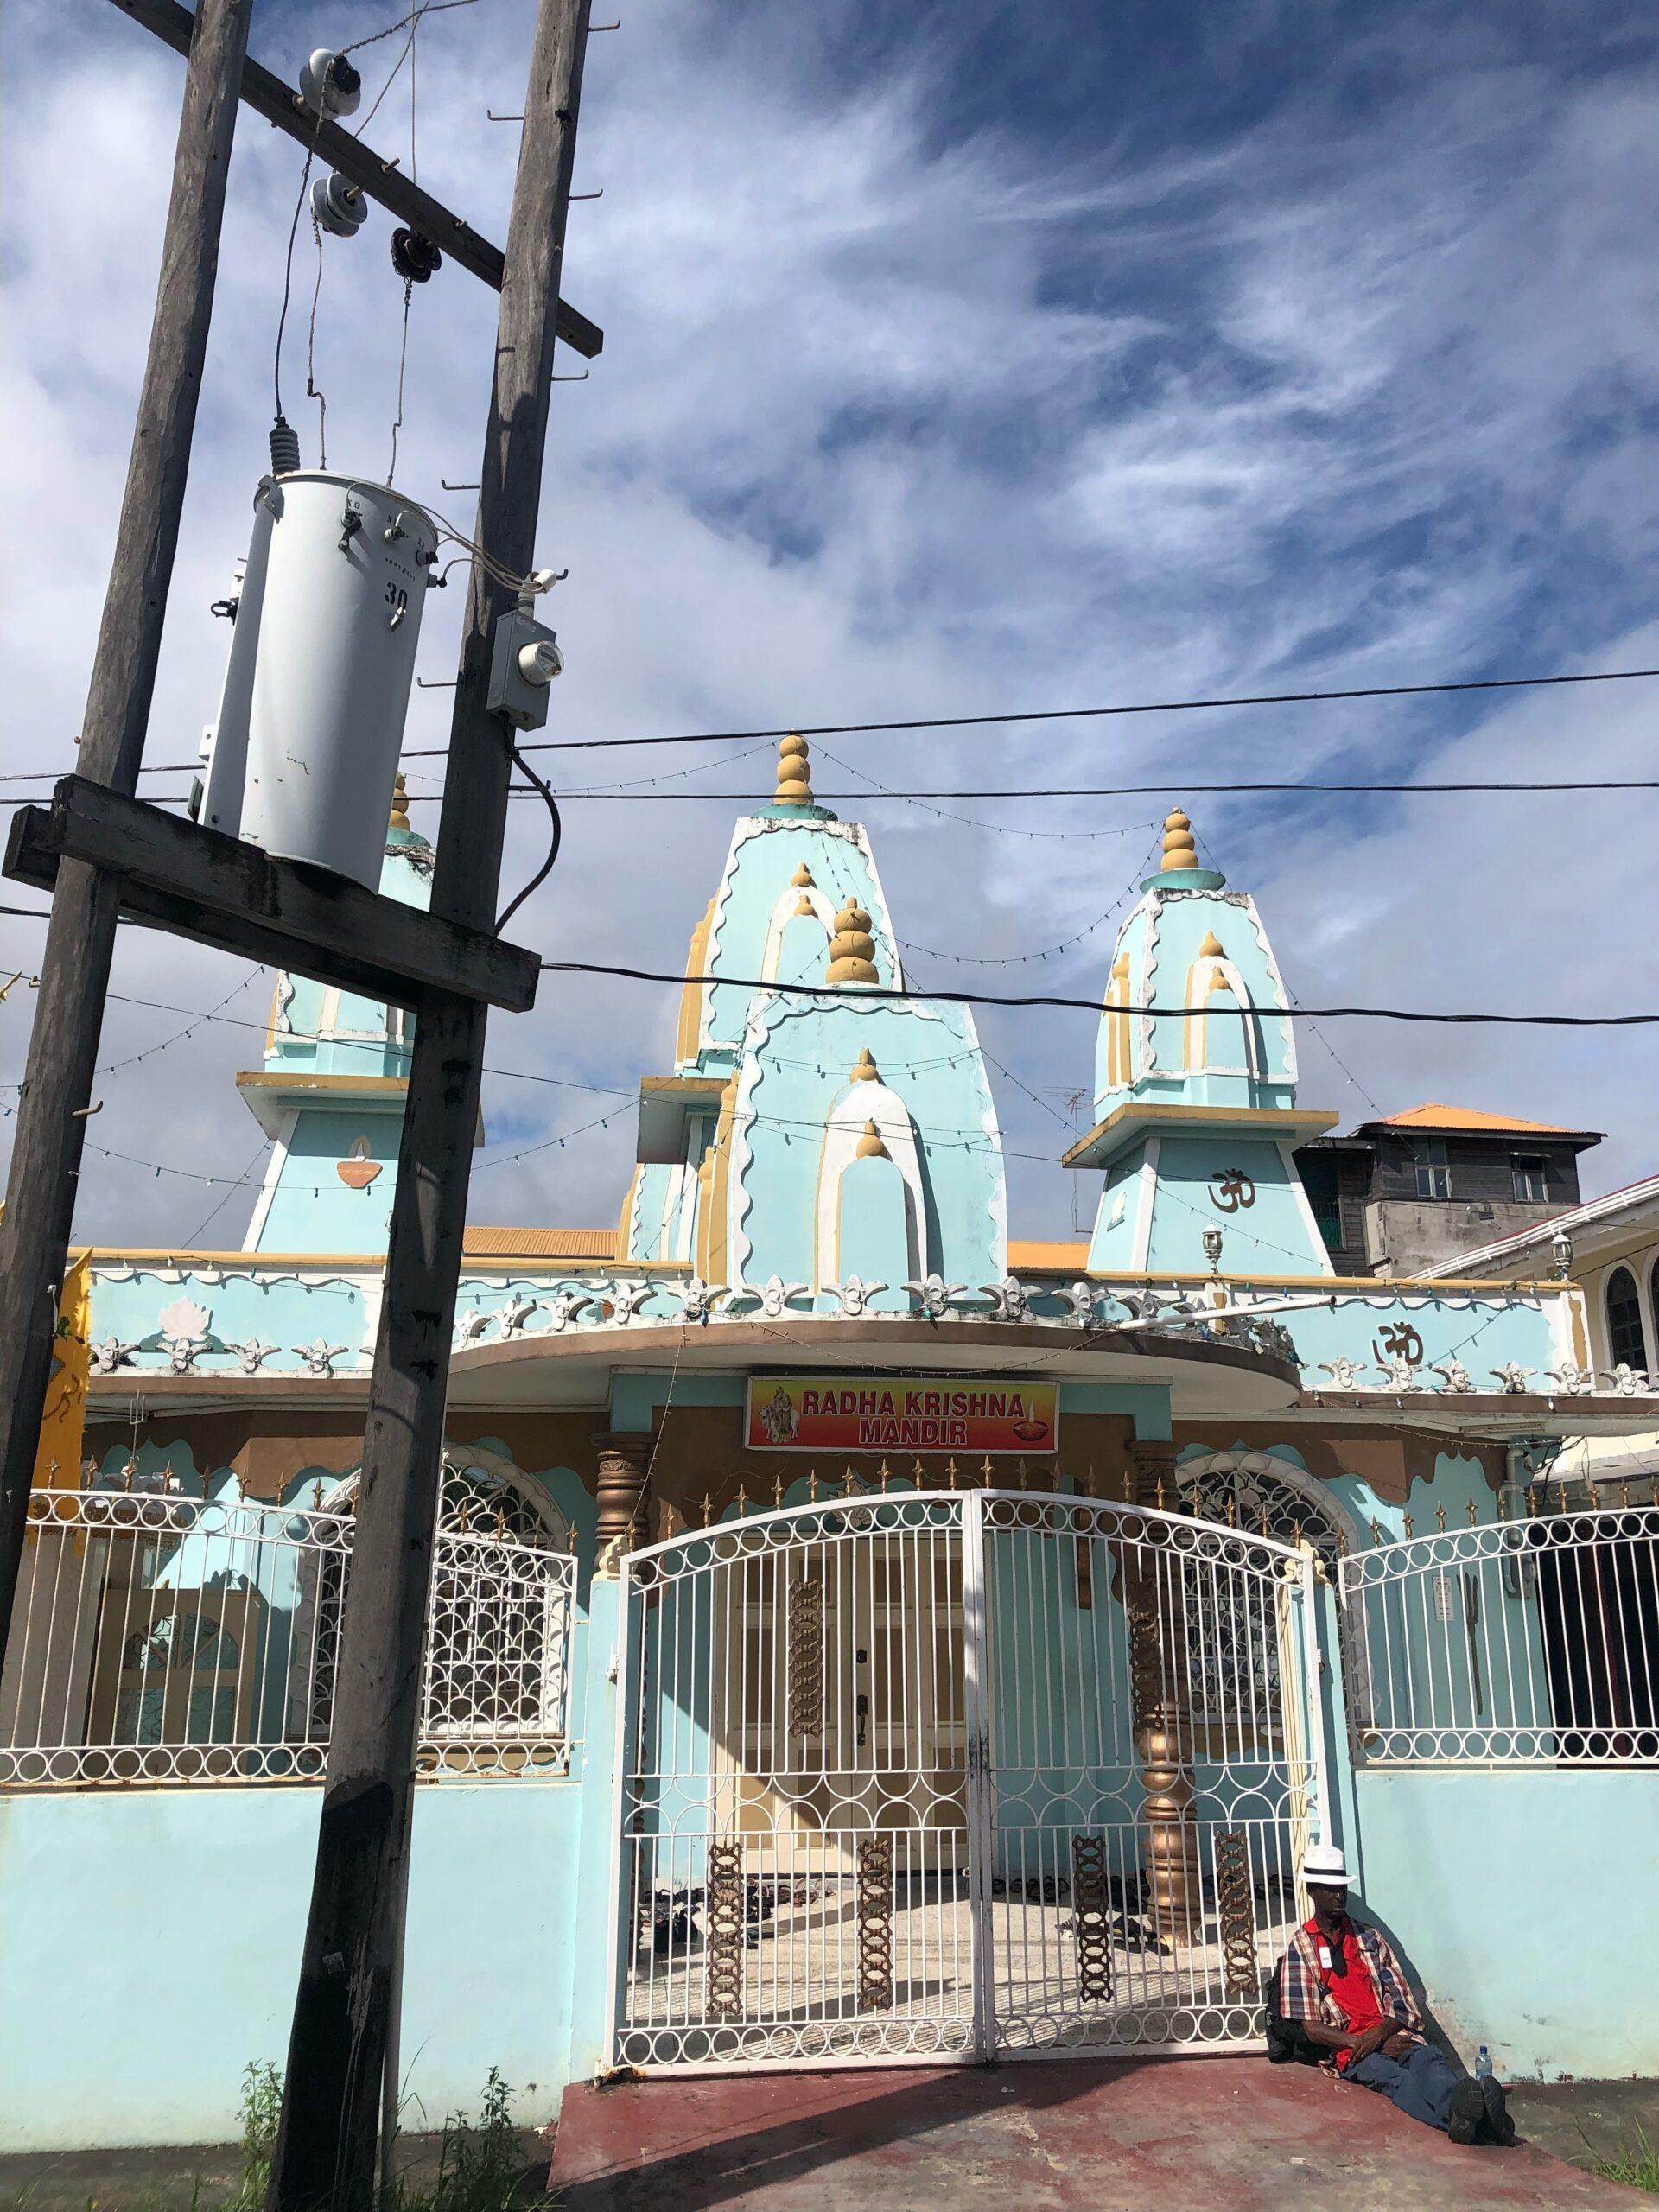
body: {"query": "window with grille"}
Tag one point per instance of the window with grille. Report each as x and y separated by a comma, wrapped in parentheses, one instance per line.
(1530, 1178)
(1626, 1338)
(1433, 1175)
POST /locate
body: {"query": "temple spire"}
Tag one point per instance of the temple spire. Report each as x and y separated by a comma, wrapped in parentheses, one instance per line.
(1180, 848)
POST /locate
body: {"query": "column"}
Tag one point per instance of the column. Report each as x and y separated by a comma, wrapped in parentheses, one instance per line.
(1157, 1597)
(624, 1466)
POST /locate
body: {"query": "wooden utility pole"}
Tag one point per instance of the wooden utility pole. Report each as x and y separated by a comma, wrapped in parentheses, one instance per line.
(80, 936)
(326, 2149)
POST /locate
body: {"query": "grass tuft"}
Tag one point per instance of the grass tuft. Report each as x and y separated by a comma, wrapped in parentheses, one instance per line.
(1637, 2167)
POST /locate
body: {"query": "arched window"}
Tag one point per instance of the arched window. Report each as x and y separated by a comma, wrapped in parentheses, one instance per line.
(1232, 1636)
(1627, 1341)
(499, 1626)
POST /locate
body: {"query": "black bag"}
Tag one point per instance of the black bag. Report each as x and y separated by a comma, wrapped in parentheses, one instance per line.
(1288, 2041)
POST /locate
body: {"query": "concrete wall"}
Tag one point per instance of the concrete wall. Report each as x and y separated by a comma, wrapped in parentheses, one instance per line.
(150, 1944)
(1527, 1905)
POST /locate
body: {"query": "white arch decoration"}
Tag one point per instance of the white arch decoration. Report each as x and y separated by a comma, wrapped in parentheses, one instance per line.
(1209, 973)
(867, 1102)
(1344, 1524)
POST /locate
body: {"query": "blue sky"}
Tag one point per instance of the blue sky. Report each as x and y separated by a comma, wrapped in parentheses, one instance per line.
(957, 358)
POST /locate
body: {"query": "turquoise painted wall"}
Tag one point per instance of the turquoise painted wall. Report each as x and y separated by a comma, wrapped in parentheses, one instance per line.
(1528, 1902)
(165, 1926)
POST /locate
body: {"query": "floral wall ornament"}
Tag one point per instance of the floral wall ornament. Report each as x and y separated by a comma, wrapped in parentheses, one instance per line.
(934, 1295)
(358, 1170)
(1344, 1373)
(1455, 1378)
(562, 1309)
(1628, 1382)
(469, 1327)
(1008, 1300)
(698, 1298)
(515, 1314)
(319, 1356)
(1080, 1300)
(1400, 1372)
(184, 1327)
(775, 1296)
(1571, 1380)
(854, 1294)
(252, 1355)
(626, 1299)
(1511, 1378)
(111, 1354)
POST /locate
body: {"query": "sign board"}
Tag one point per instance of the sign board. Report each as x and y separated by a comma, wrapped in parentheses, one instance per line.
(928, 1413)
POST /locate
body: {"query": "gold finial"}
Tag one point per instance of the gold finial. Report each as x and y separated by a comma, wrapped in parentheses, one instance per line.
(811, 1485)
(865, 1071)
(852, 949)
(399, 804)
(1439, 1517)
(883, 1476)
(803, 906)
(777, 1490)
(794, 774)
(802, 878)
(1210, 949)
(869, 1146)
(1474, 1514)
(1376, 1533)
(1180, 848)
(708, 1510)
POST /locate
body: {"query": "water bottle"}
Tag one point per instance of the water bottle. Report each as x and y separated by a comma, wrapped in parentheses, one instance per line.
(1484, 2064)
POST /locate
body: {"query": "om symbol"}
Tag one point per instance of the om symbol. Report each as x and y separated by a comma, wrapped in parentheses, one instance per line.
(1231, 1189)
(1400, 1340)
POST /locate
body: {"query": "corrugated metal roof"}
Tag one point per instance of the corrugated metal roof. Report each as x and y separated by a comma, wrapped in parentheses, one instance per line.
(541, 1244)
(1436, 1116)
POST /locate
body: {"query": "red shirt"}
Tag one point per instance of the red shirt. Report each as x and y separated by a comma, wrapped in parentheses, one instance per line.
(1354, 1988)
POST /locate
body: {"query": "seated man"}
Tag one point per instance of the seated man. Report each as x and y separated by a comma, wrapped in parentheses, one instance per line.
(1342, 1983)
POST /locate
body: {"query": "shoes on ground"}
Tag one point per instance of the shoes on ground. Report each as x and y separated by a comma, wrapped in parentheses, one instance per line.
(1499, 2126)
(1466, 2113)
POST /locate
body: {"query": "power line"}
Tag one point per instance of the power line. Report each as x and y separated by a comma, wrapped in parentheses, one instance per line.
(1094, 714)
(1093, 1006)
(1088, 713)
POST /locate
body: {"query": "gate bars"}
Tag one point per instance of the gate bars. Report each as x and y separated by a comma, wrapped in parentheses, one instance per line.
(932, 1775)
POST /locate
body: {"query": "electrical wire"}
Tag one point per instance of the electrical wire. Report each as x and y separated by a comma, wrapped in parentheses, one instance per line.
(546, 868)
(288, 263)
(866, 991)
(1093, 714)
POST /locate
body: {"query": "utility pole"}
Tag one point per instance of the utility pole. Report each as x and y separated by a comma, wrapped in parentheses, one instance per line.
(80, 936)
(325, 2147)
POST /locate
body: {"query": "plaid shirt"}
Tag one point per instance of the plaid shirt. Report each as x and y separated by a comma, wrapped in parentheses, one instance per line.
(1302, 1993)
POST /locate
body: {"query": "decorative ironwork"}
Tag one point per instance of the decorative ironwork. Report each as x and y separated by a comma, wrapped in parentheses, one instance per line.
(806, 1655)
(1531, 1642)
(944, 1610)
(162, 1638)
(723, 1969)
(875, 1924)
(1237, 1906)
(1092, 1919)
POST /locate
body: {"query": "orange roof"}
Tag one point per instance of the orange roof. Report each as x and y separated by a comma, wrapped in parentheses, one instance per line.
(1435, 1116)
(540, 1244)
(1047, 1252)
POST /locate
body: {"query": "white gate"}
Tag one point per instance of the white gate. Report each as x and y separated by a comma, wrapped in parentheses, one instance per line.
(924, 1775)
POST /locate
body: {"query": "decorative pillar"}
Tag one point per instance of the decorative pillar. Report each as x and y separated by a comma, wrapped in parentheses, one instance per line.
(1161, 1688)
(624, 1465)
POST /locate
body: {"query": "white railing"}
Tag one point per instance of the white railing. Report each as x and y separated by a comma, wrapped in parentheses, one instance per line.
(164, 1639)
(1533, 1642)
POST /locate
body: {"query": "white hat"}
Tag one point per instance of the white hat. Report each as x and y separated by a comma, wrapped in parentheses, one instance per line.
(1324, 1864)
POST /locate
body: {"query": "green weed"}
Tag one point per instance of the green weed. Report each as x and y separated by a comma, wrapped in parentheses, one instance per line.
(1637, 2168)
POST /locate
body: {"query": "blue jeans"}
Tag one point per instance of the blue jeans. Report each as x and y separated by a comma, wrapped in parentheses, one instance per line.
(1421, 2083)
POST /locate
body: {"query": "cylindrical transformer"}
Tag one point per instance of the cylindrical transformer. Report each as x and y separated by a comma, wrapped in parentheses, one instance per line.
(225, 749)
(345, 579)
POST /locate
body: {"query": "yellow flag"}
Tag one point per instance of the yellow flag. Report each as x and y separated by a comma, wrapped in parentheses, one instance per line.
(63, 1423)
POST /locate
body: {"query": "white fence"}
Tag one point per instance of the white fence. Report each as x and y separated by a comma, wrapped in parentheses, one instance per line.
(1533, 1643)
(163, 1639)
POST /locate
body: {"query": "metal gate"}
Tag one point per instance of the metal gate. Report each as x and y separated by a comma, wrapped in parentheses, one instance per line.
(924, 1776)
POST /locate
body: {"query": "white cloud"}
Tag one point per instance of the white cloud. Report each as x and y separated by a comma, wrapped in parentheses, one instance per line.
(895, 421)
